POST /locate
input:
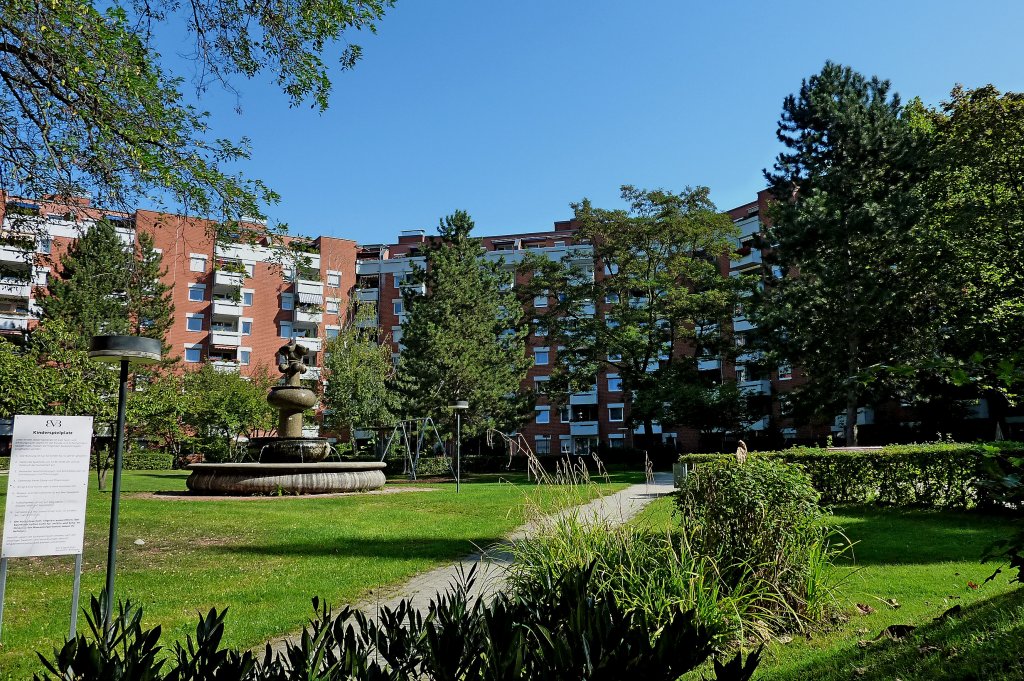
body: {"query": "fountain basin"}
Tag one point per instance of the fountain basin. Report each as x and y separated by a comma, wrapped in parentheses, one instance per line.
(286, 478)
(288, 449)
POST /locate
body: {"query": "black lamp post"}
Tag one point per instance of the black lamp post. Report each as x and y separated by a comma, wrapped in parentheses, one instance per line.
(123, 349)
(458, 406)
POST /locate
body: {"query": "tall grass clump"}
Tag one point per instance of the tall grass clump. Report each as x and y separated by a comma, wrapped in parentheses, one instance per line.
(761, 522)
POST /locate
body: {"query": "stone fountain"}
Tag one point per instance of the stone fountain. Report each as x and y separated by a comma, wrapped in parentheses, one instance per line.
(288, 463)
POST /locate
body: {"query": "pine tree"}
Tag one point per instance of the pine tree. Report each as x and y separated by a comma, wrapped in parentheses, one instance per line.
(844, 206)
(103, 287)
(463, 338)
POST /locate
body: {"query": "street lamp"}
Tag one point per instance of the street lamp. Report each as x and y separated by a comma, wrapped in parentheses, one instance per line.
(458, 406)
(123, 349)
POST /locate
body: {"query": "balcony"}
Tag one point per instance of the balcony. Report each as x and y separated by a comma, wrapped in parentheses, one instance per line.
(312, 374)
(749, 226)
(655, 429)
(367, 323)
(309, 316)
(583, 428)
(762, 387)
(226, 366)
(760, 424)
(589, 397)
(751, 259)
(309, 287)
(749, 357)
(311, 343)
(226, 338)
(708, 364)
(740, 324)
(368, 295)
(227, 308)
(222, 278)
(11, 321)
(14, 287)
(16, 253)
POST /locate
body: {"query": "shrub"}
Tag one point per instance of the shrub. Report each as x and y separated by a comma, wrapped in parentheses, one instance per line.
(141, 460)
(940, 475)
(761, 523)
(561, 632)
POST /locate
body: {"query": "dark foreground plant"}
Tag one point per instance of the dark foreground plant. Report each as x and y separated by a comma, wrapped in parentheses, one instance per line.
(1006, 485)
(562, 632)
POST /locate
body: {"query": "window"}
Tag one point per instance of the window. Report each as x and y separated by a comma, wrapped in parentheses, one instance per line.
(541, 356)
(614, 383)
(399, 278)
(396, 334)
(42, 277)
(250, 269)
(616, 441)
(540, 384)
(541, 301)
(611, 268)
(615, 412)
(45, 245)
(616, 357)
(397, 306)
(288, 273)
(246, 327)
(333, 305)
(742, 374)
(785, 372)
(194, 322)
(565, 414)
(543, 414)
(243, 356)
(197, 292)
(542, 444)
(332, 333)
(247, 298)
(541, 330)
(612, 299)
(194, 354)
(197, 262)
(286, 329)
(287, 301)
(333, 279)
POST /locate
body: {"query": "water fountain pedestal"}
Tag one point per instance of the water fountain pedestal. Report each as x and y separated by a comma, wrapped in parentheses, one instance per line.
(288, 463)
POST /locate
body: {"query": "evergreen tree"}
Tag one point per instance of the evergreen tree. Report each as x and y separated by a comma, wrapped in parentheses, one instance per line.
(840, 305)
(359, 372)
(463, 338)
(104, 288)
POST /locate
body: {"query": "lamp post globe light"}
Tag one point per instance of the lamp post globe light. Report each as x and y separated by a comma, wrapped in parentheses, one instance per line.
(458, 406)
(123, 349)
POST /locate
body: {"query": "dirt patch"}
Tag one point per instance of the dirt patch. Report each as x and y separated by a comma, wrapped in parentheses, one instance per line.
(188, 496)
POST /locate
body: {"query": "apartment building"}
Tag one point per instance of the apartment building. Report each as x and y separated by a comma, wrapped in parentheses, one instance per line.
(237, 303)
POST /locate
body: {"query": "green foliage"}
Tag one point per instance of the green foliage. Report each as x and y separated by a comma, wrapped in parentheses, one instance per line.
(560, 632)
(104, 287)
(760, 522)
(220, 407)
(844, 201)
(660, 267)
(941, 475)
(464, 338)
(87, 109)
(1006, 485)
(359, 371)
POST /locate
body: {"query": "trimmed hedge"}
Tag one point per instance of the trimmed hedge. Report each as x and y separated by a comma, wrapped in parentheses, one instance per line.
(133, 461)
(940, 475)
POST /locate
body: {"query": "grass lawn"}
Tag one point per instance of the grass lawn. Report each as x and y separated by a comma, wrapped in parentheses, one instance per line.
(926, 561)
(263, 557)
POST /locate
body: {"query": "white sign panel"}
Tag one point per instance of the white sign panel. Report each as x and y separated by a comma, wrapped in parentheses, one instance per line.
(47, 486)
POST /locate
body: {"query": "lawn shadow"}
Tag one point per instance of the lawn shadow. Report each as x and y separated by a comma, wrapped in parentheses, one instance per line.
(982, 642)
(912, 537)
(392, 549)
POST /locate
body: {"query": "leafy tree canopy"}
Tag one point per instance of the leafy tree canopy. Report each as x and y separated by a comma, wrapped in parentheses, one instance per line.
(87, 106)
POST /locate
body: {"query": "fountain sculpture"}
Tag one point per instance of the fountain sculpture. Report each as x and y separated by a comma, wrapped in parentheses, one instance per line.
(288, 463)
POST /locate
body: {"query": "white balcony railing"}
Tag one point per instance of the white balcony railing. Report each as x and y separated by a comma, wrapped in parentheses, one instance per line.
(368, 295)
(749, 260)
(222, 278)
(749, 357)
(308, 317)
(311, 343)
(15, 288)
(311, 287)
(227, 308)
(708, 364)
(740, 324)
(18, 254)
(583, 428)
(762, 387)
(311, 374)
(226, 366)
(589, 397)
(228, 338)
(13, 322)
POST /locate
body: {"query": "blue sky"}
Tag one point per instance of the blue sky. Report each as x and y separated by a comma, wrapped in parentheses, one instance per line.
(514, 110)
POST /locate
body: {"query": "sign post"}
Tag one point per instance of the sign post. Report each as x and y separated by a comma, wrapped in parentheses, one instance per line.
(47, 489)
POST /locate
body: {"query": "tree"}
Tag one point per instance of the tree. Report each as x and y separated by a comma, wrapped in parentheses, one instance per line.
(359, 371)
(87, 108)
(464, 337)
(160, 410)
(844, 205)
(222, 406)
(103, 287)
(661, 290)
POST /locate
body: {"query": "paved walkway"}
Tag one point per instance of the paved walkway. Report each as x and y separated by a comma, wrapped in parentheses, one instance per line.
(615, 508)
